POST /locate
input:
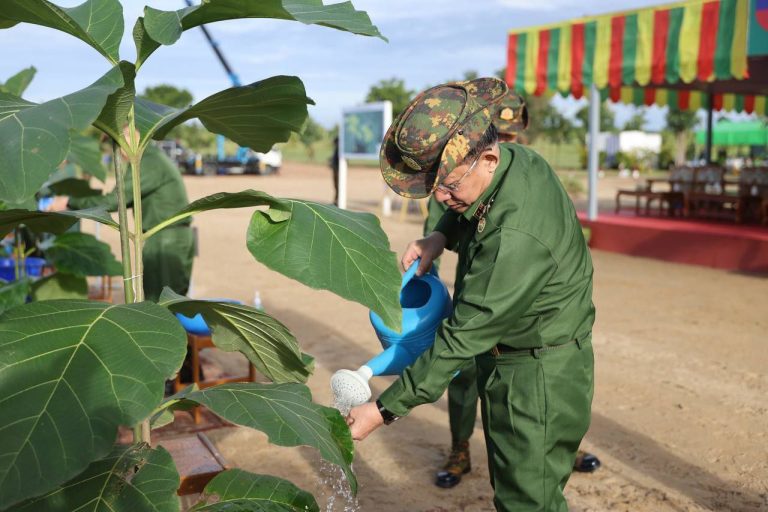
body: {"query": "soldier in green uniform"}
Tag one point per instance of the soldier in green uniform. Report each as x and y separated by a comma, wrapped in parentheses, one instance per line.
(523, 294)
(168, 254)
(510, 117)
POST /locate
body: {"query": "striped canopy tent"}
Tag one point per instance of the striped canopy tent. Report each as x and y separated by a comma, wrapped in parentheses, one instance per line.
(711, 54)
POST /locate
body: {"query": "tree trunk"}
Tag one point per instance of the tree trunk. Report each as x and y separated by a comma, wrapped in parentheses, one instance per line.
(681, 144)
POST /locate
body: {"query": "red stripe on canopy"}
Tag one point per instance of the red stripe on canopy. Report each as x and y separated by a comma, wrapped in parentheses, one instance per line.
(577, 59)
(541, 65)
(717, 101)
(660, 36)
(511, 61)
(617, 39)
(650, 95)
(749, 104)
(683, 99)
(710, 13)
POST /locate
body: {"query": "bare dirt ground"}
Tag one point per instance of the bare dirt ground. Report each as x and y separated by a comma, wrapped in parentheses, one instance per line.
(680, 415)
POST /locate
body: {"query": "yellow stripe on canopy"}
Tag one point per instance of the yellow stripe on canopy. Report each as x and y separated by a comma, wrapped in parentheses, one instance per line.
(627, 95)
(661, 97)
(760, 105)
(644, 46)
(728, 101)
(690, 35)
(694, 103)
(602, 51)
(564, 59)
(739, 46)
(531, 60)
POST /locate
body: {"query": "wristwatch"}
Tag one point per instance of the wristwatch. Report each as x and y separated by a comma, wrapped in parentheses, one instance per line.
(388, 416)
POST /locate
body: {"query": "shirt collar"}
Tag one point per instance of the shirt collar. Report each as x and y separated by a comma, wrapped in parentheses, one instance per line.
(505, 157)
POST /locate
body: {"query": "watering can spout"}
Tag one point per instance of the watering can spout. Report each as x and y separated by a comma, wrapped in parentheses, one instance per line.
(350, 388)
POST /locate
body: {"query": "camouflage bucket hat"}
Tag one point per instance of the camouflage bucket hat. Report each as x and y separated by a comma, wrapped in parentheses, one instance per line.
(435, 133)
(510, 115)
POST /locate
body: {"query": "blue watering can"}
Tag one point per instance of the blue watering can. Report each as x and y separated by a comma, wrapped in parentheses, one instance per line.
(425, 302)
(196, 324)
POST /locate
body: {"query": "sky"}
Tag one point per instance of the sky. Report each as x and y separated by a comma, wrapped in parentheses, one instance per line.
(430, 41)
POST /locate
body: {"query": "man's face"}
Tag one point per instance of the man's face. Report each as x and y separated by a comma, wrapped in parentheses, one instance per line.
(467, 182)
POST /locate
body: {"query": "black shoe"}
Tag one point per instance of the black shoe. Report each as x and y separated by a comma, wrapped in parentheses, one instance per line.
(458, 464)
(585, 462)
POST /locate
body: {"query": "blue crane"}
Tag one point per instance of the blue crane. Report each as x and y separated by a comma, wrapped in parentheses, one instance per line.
(242, 153)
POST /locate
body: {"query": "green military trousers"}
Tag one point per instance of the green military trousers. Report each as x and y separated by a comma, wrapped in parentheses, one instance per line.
(536, 409)
(462, 403)
(168, 259)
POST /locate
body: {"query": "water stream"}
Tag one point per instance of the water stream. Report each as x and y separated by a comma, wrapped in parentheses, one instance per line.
(333, 482)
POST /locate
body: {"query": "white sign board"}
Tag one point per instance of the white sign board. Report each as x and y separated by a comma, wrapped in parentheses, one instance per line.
(360, 135)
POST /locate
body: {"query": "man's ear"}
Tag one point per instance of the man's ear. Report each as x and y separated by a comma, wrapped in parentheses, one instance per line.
(491, 158)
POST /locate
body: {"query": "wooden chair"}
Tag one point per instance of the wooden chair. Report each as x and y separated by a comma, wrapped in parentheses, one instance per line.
(712, 197)
(670, 200)
(753, 192)
(196, 343)
(103, 291)
(197, 461)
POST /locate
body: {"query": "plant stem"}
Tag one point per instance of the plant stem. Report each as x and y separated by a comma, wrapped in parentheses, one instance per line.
(122, 214)
(136, 153)
(138, 230)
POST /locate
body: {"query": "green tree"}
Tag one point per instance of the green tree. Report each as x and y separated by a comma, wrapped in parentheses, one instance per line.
(607, 118)
(681, 123)
(311, 133)
(166, 94)
(392, 89)
(636, 122)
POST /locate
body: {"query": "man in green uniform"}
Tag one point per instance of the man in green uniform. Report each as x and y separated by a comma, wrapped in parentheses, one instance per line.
(523, 294)
(168, 254)
(510, 117)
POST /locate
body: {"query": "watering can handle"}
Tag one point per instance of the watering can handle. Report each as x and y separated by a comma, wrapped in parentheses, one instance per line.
(410, 273)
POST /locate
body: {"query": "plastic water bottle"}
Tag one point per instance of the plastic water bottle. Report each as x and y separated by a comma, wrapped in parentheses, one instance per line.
(257, 301)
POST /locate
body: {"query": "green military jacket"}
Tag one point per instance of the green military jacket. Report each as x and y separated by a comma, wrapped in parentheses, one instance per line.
(524, 279)
(162, 191)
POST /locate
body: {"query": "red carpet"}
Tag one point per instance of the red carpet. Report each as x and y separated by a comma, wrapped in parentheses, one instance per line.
(718, 245)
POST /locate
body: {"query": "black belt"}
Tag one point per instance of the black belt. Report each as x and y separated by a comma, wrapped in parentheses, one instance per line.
(535, 352)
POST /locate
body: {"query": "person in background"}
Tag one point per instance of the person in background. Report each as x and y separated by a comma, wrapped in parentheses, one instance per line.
(522, 305)
(333, 163)
(510, 116)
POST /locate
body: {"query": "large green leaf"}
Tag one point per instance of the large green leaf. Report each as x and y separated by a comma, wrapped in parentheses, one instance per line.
(165, 27)
(81, 254)
(286, 413)
(133, 478)
(60, 286)
(239, 490)
(267, 343)
(19, 82)
(256, 115)
(97, 22)
(221, 201)
(13, 294)
(114, 115)
(35, 139)
(85, 152)
(73, 187)
(71, 371)
(51, 222)
(325, 247)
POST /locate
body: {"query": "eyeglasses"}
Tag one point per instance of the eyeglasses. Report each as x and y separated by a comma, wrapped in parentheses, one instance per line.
(450, 188)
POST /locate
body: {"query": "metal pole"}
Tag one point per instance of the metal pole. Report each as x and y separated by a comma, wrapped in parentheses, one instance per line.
(708, 150)
(594, 129)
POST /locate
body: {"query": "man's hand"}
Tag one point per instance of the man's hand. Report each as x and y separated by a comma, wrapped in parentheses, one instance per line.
(428, 249)
(363, 420)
